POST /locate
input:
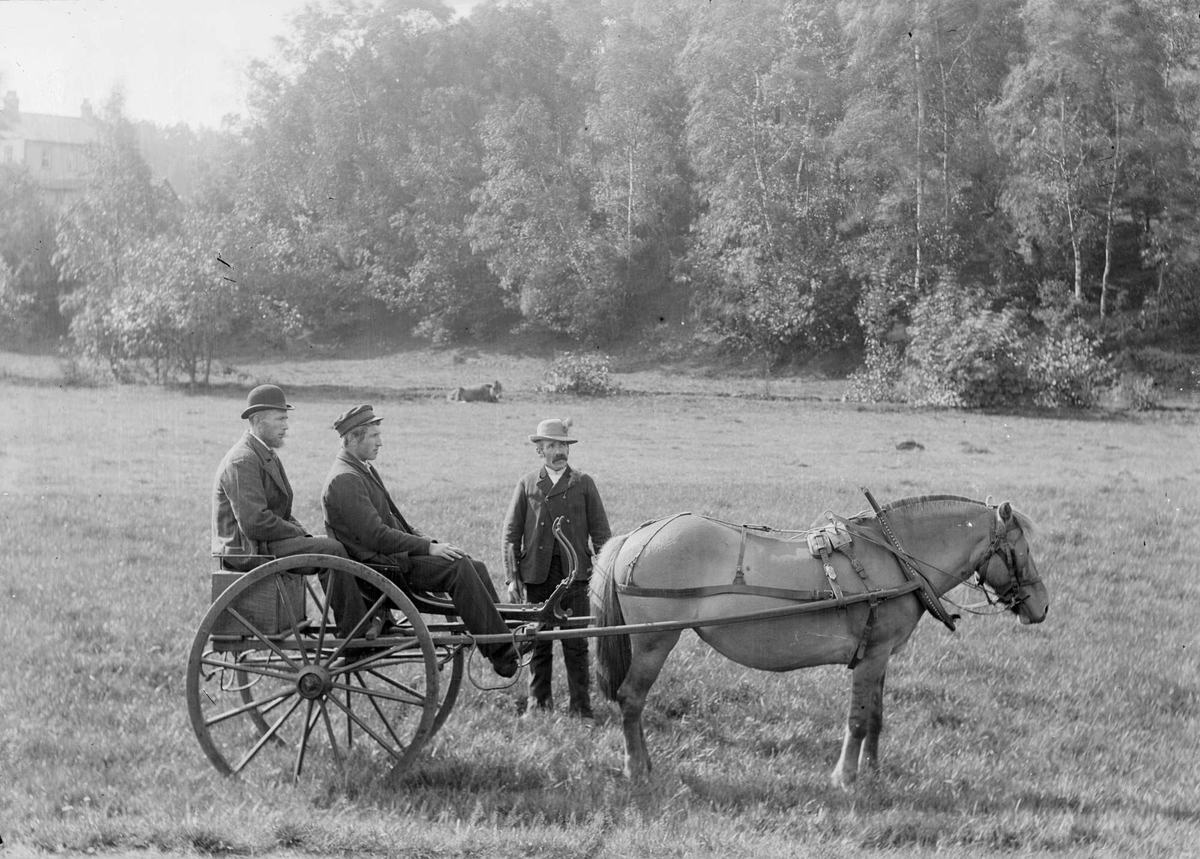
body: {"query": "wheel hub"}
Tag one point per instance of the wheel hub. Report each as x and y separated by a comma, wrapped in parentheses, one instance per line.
(313, 682)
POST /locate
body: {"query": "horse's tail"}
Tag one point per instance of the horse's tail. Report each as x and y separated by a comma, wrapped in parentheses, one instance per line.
(612, 651)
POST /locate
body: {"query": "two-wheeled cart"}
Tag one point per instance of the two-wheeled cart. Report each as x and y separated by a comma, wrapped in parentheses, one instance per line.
(271, 685)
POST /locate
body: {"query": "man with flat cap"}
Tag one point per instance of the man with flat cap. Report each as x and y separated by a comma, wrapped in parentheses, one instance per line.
(360, 513)
(252, 504)
(535, 565)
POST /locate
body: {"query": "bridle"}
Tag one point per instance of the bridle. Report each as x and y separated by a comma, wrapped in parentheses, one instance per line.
(1000, 547)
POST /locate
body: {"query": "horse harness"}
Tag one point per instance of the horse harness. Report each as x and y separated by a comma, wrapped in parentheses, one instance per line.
(838, 536)
(822, 542)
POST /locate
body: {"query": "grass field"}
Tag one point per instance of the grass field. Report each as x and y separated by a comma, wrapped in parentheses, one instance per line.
(1075, 738)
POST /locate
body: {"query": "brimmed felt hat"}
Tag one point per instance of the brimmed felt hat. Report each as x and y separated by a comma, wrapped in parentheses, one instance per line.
(265, 397)
(553, 430)
(354, 418)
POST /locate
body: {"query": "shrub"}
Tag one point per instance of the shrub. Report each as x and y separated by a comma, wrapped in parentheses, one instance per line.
(965, 354)
(585, 375)
(1168, 369)
(1068, 369)
(1137, 391)
(878, 381)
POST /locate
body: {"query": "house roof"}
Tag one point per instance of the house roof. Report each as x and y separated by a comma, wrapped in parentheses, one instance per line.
(46, 128)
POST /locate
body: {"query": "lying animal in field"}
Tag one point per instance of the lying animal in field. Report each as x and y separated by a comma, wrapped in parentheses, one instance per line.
(487, 393)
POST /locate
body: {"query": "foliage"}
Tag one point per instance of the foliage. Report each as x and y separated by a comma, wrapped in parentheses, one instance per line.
(800, 174)
(963, 353)
(587, 375)
(1066, 369)
(879, 378)
(1138, 391)
(28, 282)
(1165, 369)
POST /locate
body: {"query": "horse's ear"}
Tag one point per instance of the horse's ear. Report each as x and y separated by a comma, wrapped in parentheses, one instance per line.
(1004, 511)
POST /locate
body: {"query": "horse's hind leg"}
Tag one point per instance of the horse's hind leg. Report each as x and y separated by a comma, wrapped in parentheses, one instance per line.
(649, 654)
(863, 723)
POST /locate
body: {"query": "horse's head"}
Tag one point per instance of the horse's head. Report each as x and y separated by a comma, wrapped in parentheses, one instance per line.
(1008, 569)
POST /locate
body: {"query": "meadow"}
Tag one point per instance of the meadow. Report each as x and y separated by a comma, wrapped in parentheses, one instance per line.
(1074, 738)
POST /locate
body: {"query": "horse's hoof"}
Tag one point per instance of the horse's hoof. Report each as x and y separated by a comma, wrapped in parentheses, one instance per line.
(842, 781)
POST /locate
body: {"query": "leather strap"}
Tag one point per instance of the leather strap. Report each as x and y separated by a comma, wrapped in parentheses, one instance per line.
(717, 590)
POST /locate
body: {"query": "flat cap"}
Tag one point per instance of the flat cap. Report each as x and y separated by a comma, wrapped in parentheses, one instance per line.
(355, 417)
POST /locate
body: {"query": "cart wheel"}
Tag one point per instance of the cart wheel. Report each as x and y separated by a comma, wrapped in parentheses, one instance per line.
(450, 684)
(269, 682)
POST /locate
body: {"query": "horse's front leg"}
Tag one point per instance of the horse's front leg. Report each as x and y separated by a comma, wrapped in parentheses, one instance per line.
(860, 747)
(649, 652)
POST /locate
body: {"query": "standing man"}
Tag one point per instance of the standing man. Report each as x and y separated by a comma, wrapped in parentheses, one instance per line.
(252, 504)
(361, 514)
(535, 564)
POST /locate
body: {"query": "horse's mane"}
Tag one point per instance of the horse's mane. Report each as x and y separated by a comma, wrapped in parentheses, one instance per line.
(1028, 526)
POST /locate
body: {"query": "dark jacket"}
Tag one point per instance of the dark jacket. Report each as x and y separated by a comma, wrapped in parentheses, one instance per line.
(360, 514)
(536, 503)
(252, 500)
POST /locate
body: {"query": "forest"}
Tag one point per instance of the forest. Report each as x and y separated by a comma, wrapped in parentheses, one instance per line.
(982, 202)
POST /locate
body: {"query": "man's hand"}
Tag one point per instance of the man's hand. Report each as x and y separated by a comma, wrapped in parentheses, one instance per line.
(516, 592)
(445, 550)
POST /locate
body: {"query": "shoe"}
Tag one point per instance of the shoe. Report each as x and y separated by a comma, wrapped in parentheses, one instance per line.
(505, 662)
(374, 628)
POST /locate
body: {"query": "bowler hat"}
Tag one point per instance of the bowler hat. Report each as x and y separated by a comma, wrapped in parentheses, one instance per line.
(553, 430)
(265, 397)
(355, 417)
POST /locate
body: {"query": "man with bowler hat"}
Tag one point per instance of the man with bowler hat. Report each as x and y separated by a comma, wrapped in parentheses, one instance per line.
(360, 513)
(252, 504)
(533, 560)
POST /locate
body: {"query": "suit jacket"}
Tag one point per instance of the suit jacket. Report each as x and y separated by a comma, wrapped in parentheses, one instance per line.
(252, 500)
(360, 514)
(536, 503)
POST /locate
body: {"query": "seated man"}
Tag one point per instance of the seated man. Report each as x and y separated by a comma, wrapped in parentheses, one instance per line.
(361, 514)
(252, 504)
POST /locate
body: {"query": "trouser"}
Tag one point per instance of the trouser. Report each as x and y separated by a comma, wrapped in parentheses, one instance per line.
(344, 596)
(469, 586)
(575, 650)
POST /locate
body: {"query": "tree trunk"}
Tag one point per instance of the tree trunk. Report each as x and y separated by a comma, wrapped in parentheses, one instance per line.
(1108, 211)
(920, 161)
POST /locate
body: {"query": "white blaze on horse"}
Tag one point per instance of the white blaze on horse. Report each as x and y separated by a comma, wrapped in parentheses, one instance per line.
(486, 393)
(688, 571)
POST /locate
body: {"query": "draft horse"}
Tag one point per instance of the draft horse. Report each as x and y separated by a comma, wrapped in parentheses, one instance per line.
(689, 571)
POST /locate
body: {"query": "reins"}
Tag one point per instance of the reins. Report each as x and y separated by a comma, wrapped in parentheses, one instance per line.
(998, 546)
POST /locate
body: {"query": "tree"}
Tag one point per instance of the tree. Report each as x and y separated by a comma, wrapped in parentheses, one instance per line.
(634, 127)
(1081, 118)
(101, 232)
(764, 88)
(29, 284)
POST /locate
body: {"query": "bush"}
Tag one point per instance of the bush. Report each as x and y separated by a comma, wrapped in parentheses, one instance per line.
(965, 354)
(879, 379)
(1068, 370)
(1168, 369)
(1137, 391)
(585, 375)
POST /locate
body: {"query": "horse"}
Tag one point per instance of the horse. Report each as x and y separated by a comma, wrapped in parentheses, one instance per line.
(866, 596)
(486, 393)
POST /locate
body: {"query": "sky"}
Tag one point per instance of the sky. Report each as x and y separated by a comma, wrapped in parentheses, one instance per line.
(175, 60)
